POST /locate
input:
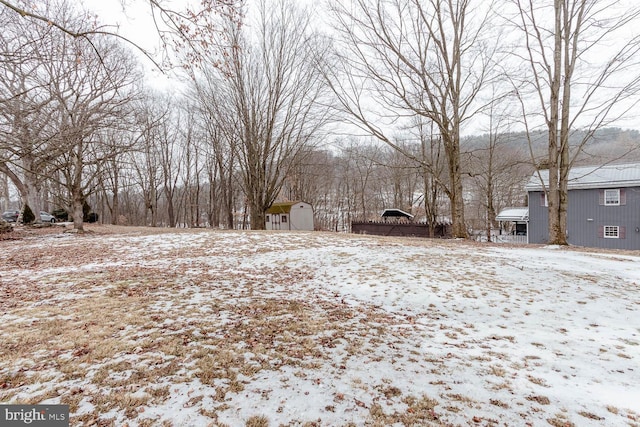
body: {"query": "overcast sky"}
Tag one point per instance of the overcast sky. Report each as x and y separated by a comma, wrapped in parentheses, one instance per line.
(133, 20)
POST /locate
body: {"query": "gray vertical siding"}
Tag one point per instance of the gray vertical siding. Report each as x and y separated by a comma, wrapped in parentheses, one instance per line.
(585, 217)
(538, 231)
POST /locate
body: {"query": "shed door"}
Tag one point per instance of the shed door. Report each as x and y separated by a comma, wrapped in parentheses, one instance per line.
(275, 222)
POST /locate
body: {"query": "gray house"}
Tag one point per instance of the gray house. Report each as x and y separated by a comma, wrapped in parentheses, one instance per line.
(603, 211)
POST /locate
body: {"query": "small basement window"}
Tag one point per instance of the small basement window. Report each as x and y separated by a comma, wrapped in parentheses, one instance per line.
(611, 232)
(612, 197)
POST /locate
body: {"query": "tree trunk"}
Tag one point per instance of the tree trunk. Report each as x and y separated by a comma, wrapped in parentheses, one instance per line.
(257, 219)
(78, 220)
(459, 228)
(557, 234)
(115, 206)
(30, 193)
(229, 207)
(171, 211)
(458, 223)
(491, 210)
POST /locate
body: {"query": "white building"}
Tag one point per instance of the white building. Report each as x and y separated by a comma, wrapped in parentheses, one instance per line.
(289, 216)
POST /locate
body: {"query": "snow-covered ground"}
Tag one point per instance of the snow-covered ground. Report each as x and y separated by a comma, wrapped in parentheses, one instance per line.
(316, 329)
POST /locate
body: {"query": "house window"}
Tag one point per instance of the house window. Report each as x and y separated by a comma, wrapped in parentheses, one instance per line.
(611, 232)
(267, 218)
(543, 199)
(284, 218)
(612, 197)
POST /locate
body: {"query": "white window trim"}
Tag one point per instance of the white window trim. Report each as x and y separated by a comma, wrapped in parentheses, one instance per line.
(617, 201)
(611, 232)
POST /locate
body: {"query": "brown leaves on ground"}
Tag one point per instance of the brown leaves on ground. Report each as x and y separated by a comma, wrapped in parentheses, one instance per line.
(108, 327)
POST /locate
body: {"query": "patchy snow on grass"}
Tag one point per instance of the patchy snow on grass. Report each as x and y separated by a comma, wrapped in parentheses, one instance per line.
(191, 328)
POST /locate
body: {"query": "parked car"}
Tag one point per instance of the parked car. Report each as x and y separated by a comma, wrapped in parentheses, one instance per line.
(10, 216)
(61, 215)
(47, 217)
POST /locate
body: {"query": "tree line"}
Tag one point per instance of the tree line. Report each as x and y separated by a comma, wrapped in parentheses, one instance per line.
(367, 116)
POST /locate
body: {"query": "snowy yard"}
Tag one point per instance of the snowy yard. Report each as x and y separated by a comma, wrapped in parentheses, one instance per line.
(144, 327)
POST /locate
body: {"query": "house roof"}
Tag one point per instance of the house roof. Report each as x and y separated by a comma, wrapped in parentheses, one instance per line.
(513, 214)
(396, 213)
(281, 207)
(585, 177)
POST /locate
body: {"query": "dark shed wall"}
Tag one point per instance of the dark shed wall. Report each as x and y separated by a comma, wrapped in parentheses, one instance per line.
(586, 217)
(538, 218)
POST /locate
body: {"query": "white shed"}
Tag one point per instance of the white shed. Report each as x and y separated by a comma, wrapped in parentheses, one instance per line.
(289, 216)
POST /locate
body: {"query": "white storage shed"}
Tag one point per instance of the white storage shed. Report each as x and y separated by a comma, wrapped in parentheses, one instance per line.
(289, 216)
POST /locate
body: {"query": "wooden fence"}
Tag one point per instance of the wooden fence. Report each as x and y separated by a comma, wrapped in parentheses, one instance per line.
(412, 229)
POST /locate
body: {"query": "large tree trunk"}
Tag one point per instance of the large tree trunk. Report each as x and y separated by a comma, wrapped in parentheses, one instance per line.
(257, 218)
(171, 210)
(33, 195)
(452, 147)
(257, 208)
(115, 209)
(78, 217)
(557, 234)
(459, 227)
(28, 188)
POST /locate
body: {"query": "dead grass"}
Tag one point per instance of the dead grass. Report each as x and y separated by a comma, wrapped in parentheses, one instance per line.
(560, 422)
(114, 316)
(543, 400)
(420, 411)
(257, 421)
(591, 416)
(121, 336)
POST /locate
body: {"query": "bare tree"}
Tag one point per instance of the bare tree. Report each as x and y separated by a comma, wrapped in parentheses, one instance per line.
(364, 162)
(110, 181)
(426, 58)
(192, 159)
(92, 94)
(275, 93)
(432, 170)
(192, 30)
(499, 165)
(4, 192)
(58, 101)
(583, 58)
(220, 125)
(157, 161)
(26, 107)
(312, 179)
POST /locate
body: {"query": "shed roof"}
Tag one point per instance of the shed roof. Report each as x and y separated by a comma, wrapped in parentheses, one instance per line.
(585, 177)
(513, 214)
(396, 213)
(281, 207)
